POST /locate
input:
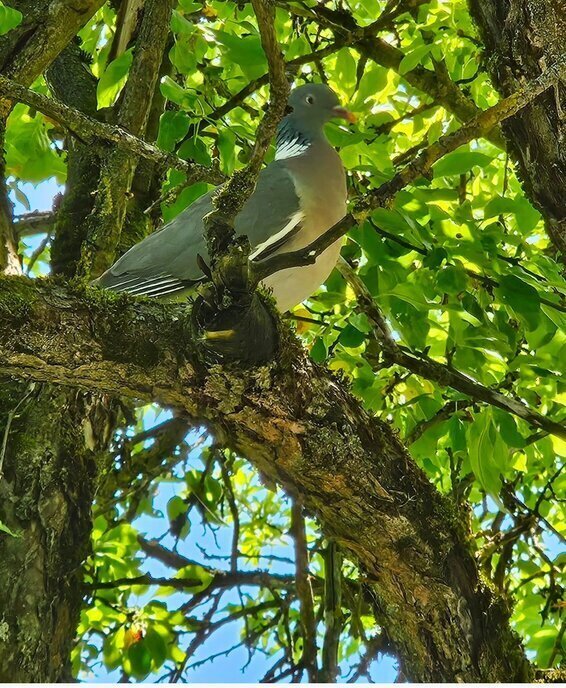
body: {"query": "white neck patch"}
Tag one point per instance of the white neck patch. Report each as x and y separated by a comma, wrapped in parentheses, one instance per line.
(291, 147)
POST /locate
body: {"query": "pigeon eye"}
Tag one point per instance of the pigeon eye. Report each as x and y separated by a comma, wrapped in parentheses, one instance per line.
(310, 100)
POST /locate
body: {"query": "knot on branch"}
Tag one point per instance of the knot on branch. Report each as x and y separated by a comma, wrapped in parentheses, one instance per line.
(231, 321)
(244, 330)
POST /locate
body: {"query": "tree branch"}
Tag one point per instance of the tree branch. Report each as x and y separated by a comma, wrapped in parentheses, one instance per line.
(219, 229)
(220, 581)
(430, 369)
(104, 223)
(304, 591)
(302, 429)
(332, 612)
(92, 131)
(39, 44)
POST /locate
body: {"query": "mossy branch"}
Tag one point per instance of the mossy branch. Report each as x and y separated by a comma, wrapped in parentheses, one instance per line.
(302, 429)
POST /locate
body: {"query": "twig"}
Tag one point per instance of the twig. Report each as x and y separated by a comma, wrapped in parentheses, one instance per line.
(445, 413)
(304, 590)
(35, 222)
(38, 251)
(332, 612)
(374, 646)
(30, 387)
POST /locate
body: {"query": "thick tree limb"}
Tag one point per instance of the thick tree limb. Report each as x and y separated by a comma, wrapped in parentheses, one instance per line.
(521, 38)
(302, 429)
(39, 41)
(95, 132)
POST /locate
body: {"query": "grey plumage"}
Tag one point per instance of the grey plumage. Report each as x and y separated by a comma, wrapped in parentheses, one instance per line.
(297, 197)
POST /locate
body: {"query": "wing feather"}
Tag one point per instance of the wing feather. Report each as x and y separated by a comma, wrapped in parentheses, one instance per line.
(166, 261)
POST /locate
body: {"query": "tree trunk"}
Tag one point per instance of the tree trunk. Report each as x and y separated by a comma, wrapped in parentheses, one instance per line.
(523, 38)
(51, 437)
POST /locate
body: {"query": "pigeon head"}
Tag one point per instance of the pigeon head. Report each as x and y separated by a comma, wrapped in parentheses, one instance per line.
(316, 104)
(309, 108)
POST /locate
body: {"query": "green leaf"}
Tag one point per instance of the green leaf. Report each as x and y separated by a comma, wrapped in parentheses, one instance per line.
(112, 649)
(175, 507)
(156, 647)
(485, 461)
(413, 58)
(351, 337)
(245, 51)
(113, 79)
(180, 25)
(345, 69)
(212, 491)
(173, 126)
(4, 529)
(507, 427)
(139, 659)
(227, 147)
(452, 279)
(460, 162)
(9, 18)
(522, 298)
(318, 351)
(171, 90)
(435, 258)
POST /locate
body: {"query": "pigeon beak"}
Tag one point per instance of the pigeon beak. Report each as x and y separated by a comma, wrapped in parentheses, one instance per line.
(344, 114)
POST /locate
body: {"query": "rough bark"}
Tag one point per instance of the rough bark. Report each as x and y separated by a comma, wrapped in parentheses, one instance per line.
(301, 428)
(522, 38)
(118, 167)
(72, 82)
(47, 27)
(9, 258)
(51, 437)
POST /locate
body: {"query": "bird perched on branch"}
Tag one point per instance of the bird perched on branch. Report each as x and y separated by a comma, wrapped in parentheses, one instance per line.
(298, 196)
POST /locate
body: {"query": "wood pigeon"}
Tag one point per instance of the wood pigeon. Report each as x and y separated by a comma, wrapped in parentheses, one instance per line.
(298, 196)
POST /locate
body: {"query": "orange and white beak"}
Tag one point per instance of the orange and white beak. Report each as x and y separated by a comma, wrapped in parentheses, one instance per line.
(344, 114)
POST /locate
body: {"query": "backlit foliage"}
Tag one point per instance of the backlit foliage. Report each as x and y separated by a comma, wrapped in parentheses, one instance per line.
(462, 269)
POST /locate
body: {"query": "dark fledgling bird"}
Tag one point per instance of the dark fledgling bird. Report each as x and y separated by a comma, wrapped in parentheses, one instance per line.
(298, 196)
